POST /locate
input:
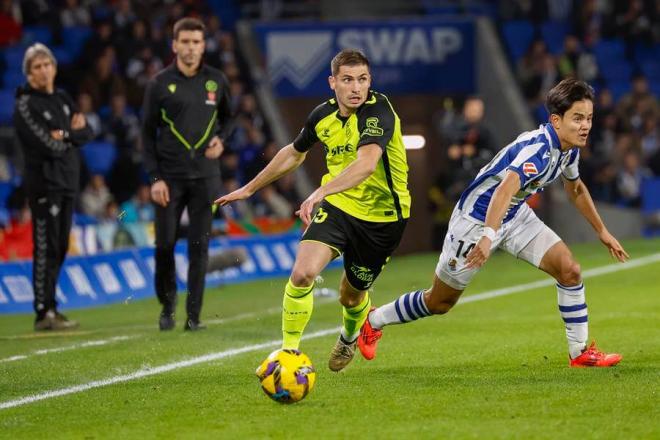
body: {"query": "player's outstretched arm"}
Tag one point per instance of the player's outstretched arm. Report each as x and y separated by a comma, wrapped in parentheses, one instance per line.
(579, 195)
(354, 174)
(498, 206)
(285, 161)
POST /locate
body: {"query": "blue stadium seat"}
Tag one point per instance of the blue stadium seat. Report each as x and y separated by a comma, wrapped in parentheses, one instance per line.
(40, 34)
(518, 35)
(617, 72)
(618, 88)
(12, 79)
(75, 37)
(553, 34)
(655, 87)
(63, 55)
(99, 157)
(608, 52)
(6, 188)
(645, 52)
(6, 106)
(651, 202)
(651, 69)
(13, 56)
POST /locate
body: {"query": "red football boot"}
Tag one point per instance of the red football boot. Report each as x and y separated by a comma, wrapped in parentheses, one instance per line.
(592, 357)
(368, 339)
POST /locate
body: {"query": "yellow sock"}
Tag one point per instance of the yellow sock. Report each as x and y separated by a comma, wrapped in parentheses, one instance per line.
(354, 317)
(296, 311)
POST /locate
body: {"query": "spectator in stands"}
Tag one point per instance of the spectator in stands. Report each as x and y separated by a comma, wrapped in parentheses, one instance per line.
(103, 81)
(10, 24)
(93, 120)
(96, 44)
(73, 14)
(275, 205)
(95, 197)
(472, 144)
(629, 180)
(51, 175)
(123, 130)
(530, 70)
(650, 137)
(139, 208)
(575, 62)
(636, 103)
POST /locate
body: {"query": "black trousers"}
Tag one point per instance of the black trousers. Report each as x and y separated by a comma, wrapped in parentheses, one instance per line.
(52, 215)
(197, 195)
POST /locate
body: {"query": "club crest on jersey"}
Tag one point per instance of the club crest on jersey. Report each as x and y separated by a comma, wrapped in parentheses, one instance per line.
(211, 87)
(529, 169)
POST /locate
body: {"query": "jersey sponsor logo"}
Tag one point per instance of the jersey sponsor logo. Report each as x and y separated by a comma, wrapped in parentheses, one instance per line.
(362, 273)
(341, 149)
(171, 88)
(529, 169)
(372, 129)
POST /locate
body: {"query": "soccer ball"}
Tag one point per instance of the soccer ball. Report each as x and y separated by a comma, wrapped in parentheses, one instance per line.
(287, 376)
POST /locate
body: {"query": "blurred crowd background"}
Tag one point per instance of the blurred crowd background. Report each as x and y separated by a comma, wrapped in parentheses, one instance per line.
(108, 50)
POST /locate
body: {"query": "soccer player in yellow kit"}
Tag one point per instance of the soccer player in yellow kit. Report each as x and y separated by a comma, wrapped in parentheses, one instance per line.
(364, 200)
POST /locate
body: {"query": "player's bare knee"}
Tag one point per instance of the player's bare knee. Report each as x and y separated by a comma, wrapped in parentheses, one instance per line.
(302, 277)
(571, 274)
(350, 301)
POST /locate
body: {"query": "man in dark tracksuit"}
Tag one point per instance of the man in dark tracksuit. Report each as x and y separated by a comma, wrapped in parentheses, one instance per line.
(50, 130)
(186, 108)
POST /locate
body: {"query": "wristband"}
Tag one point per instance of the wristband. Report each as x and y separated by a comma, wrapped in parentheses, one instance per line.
(489, 232)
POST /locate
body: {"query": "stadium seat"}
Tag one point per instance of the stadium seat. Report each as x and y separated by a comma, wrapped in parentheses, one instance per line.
(6, 188)
(645, 52)
(651, 203)
(99, 157)
(651, 69)
(609, 52)
(620, 71)
(518, 35)
(13, 56)
(63, 55)
(11, 79)
(74, 38)
(553, 34)
(618, 88)
(37, 34)
(6, 106)
(655, 87)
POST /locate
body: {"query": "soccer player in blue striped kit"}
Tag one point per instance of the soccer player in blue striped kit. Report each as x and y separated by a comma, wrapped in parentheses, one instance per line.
(492, 213)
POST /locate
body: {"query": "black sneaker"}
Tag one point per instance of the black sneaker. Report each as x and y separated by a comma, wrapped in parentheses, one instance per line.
(166, 321)
(193, 326)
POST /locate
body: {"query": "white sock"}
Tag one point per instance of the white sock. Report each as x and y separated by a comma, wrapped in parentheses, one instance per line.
(573, 310)
(408, 307)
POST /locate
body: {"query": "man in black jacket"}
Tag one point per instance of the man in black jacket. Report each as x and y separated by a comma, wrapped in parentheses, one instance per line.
(185, 115)
(50, 130)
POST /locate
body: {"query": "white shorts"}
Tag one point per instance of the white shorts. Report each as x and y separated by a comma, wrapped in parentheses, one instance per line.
(524, 236)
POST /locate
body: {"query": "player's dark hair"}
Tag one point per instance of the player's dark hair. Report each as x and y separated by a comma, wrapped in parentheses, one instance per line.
(562, 96)
(188, 24)
(348, 57)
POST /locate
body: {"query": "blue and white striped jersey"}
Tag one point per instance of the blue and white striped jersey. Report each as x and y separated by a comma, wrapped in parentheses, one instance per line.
(537, 158)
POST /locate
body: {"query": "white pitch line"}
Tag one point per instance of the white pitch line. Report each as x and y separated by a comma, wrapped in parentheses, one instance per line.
(596, 271)
(240, 350)
(94, 343)
(156, 370)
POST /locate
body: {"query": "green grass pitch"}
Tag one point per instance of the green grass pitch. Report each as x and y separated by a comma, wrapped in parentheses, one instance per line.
(495, 368)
